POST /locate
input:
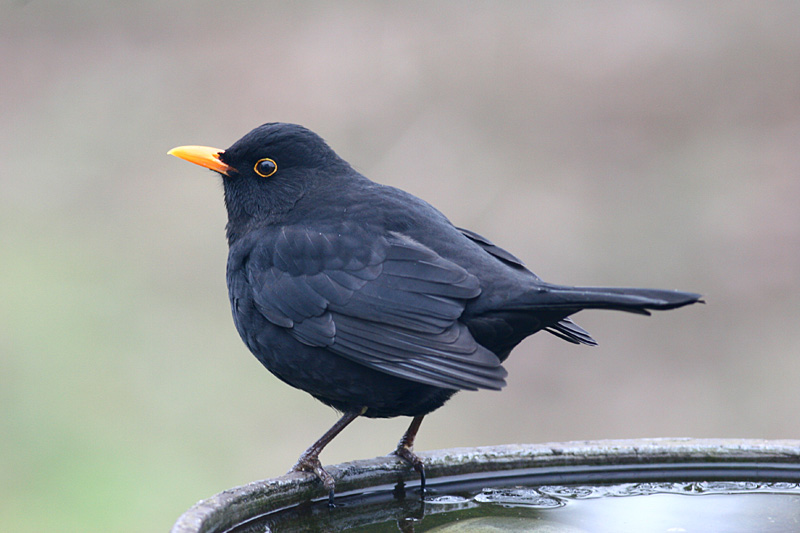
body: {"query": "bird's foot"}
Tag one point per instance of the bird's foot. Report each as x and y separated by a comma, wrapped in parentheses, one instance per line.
(309, 460)
(405, 453)
(312, 464)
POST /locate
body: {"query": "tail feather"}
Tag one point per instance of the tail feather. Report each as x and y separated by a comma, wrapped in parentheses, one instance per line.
(548, 307)
(573, 299)
(632, 300)
(571, 332)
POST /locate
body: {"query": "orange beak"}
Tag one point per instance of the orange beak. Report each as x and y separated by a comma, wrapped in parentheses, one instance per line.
(205, 156)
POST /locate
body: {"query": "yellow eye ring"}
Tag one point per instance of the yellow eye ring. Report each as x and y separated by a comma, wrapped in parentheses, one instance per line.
(265, 167)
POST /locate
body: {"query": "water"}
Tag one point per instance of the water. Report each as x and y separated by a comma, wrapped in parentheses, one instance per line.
(510, 504)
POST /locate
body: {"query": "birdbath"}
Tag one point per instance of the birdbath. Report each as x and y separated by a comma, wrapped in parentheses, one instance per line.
(615, 485)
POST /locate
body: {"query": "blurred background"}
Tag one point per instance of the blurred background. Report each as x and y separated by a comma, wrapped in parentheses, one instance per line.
(624, 143)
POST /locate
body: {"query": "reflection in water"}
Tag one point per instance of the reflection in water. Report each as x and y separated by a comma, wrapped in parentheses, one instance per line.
(620, 508)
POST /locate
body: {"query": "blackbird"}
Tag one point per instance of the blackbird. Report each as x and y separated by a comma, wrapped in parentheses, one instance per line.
(370, 299)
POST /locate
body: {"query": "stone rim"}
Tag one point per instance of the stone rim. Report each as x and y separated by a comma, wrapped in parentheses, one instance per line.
(234, 506)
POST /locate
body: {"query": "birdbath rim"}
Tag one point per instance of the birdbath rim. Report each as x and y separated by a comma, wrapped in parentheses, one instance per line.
(234, 506)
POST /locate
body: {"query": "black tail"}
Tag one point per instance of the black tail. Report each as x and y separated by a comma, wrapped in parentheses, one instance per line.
(548, 307)
(559, 302)
(640, 301)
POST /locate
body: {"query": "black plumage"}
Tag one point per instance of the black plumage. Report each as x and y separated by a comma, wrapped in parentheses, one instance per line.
(369, 298)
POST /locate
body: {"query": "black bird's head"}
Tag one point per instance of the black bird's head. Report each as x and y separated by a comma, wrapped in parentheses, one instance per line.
(266, 172)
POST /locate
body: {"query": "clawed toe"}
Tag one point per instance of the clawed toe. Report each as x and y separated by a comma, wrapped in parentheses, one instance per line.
(309, 460)
(314, 466)
(404, 452)
(414, 460)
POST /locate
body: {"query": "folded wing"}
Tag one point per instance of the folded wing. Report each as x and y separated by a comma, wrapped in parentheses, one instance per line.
(384, 301)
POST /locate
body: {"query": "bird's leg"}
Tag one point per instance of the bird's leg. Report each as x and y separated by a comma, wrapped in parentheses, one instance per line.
(404, 450)
(309, 460)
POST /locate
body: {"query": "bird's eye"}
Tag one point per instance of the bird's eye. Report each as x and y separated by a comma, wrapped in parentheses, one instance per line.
(265, 167)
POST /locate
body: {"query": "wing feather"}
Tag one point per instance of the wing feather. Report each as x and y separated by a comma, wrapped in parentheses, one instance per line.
(382, 300)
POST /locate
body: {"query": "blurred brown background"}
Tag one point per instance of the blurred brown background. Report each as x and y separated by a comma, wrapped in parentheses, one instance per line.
(628, 143)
